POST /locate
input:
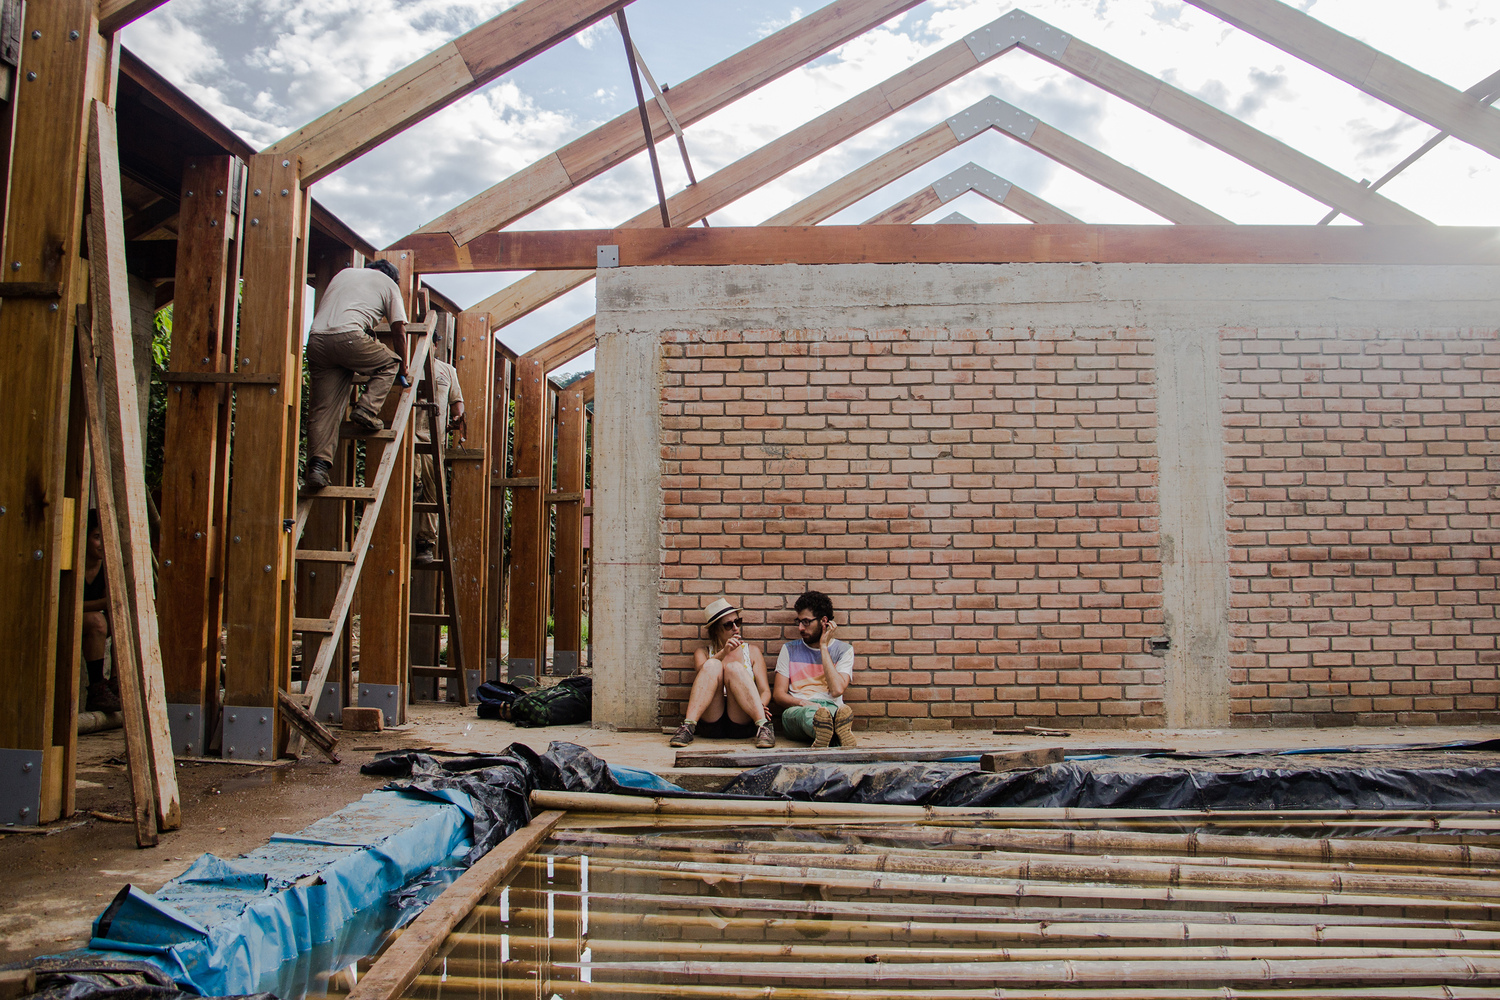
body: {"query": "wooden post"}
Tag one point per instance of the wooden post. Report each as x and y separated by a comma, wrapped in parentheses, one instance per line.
(194, 455)
(469, 514)
(385, 584)
(528, 521)
(497, 599)
(258, 555)
(567, 579)
(36, 360)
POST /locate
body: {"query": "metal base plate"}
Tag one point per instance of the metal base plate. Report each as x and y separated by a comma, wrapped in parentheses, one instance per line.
(20, 787)
(519, 667)
(186, 724)
(330, 707)
(564, 664)
(386, 697)
(249, 732)
(473, 678)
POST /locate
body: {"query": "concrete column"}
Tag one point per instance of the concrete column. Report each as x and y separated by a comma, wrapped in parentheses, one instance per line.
(626, 627)
(1194, 547)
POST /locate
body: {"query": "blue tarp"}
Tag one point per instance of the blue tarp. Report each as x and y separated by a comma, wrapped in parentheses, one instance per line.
(221, 925)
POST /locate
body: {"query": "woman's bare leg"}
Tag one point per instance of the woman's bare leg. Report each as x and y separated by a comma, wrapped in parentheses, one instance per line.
(707, 696)
(744, 699)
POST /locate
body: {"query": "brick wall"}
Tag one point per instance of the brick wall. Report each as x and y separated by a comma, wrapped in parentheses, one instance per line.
(1362, 473)
(980, 505)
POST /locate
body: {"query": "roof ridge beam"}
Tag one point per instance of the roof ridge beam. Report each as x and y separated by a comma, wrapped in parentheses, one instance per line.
(1362, 66)
(435, 81)
(692, 100)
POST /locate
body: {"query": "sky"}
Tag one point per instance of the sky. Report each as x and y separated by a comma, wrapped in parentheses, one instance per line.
(266, 67)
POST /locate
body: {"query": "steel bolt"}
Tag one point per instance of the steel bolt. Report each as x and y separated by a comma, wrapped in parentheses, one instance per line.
(36, 34)
(213, 223)
(219, 193)
(52, 307)
(286, 163)
(190, 194)
(168, 562)
(244, 361)
(267, 567)
(37, 555)
(257, 192)
(254, 222)
(73, 36)
(234, 718)
(262, 720)
(236, 538)
(197, 535)
(15, 265)
(26, 767)
(285, 192)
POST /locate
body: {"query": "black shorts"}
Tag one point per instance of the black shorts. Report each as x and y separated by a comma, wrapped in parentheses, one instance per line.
(724, 728)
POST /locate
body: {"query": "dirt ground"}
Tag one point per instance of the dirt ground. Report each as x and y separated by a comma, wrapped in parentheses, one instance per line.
(57, 882)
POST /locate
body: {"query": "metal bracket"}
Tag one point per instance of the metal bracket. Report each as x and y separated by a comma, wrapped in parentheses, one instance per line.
(519, 667)
(386, 697)
(186, 725)
(971, 177)
(20, 787)
(249, 733)
(330, 707)
(1017, 28)
(992, 113)
(564, 664)
(955, 219)
(609, 256)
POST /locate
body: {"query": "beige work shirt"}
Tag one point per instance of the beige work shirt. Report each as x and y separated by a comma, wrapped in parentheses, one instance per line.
(356, 300)
(445, 390)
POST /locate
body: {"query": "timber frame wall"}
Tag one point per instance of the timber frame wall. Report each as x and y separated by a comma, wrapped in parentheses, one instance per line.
(241, 214)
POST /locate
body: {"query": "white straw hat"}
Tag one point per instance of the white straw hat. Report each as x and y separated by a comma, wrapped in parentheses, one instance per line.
(718, 609)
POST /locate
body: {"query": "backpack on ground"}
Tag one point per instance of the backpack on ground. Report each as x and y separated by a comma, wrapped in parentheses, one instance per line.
(496, 697)
(569, 701)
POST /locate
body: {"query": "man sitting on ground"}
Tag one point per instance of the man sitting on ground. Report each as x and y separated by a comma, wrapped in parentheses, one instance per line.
(730, 694)
(812, 674)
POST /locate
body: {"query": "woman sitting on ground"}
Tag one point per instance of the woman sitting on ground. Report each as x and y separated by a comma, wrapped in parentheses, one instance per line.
(731, 697)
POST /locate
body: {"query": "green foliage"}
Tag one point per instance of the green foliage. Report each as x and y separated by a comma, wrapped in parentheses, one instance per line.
(156, 411)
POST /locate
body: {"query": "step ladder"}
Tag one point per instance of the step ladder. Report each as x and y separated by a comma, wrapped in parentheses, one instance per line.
(447, 595)
(351, 562)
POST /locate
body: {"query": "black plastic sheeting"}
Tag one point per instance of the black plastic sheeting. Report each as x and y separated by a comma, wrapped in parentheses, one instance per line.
(500, 786)
(105, 979)
(1080, 785)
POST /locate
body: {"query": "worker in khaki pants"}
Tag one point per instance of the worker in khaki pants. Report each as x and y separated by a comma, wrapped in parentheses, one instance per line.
(449, 416)
(340, 346)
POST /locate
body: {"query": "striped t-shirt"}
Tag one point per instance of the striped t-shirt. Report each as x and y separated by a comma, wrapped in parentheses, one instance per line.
(802, 666)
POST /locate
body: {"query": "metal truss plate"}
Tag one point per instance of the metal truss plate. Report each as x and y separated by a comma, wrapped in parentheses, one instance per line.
(20, 787)
(386, 697)
(956, 219)
(564, 664)
(186, 725)
(992, 113)
(330, 707)
(1017, 28)
(249, 732)
(609, 256)
(971, 177)
(519, 667)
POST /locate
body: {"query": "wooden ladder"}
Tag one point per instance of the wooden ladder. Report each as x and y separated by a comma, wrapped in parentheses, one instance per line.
(443, 564)
(351, 562)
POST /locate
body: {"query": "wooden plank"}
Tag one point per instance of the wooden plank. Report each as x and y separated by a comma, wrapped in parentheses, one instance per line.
(566, 346)
(908, 209)
(115, 14)
(999, 244)
(1372, 71)
(67, 689)
(37, 347)
(401, 963)
(469, 511)
(16, 983)
(323, 555)
(497, 597)
(258, 607)
(436, 81)
(191, 479)
(1227, 133)
(693, 99)
(567, 574)
(310, 728)
(137, 740)
(1028, 206)
(1014, 760)
(802, 755)
(869, 178)
(114, 345)
(528, 634)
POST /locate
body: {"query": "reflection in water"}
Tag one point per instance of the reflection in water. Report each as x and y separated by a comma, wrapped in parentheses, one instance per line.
(848, 912)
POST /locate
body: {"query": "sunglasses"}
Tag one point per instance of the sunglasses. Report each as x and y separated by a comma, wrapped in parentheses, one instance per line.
(733, 623)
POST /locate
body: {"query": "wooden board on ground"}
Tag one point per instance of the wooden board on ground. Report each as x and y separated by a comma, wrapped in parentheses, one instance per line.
(1013, 760)
(704, 757)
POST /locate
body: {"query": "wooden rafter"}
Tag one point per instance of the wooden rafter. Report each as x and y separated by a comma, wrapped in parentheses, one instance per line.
(973, 177)
(436, 81)
(761, 245)
(115, 14)
(693, 99)
(1372, 71)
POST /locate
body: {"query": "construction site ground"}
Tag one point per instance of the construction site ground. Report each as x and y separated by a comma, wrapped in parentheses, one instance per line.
(61, 877)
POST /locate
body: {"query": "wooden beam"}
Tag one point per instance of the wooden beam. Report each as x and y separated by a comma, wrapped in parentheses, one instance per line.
(908, 210)
(871, 177)
(1038, 210)
(567, 575)
(115, 14)
(115, 346)
(258, 607)
(47, 184)
(566, 346)
(721, 246)
(528, 633)
(1372, 71)
(693, 99)
(497, 593)
(436, 81)
(469, 510)
(193, 482)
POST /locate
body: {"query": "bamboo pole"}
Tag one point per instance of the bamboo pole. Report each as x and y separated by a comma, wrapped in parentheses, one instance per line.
(1040, 930)
(1117, 870)
(736, 992)
(764, 874)
(866, 909)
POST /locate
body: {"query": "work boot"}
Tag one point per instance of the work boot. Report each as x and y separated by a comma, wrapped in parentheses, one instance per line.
(368, 421)
(317, 475)
(843, 726)
(425, 554)
(822, 729)
(102, 698)
(765, 736)
(684, 734)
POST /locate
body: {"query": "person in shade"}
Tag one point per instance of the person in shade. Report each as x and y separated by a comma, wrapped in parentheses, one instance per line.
(730, 699)
(812, 674)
